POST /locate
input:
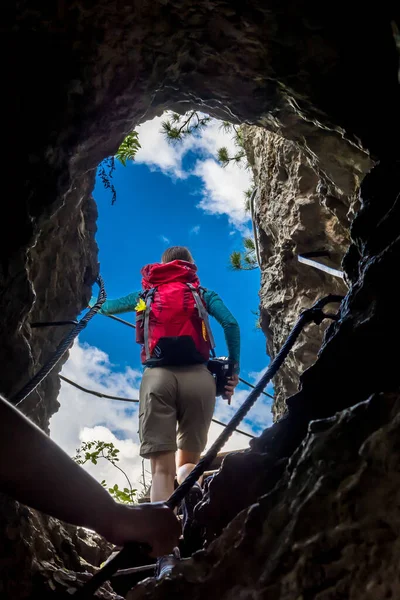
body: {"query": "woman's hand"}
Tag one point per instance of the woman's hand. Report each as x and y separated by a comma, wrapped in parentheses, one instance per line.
(230, 387)
(153, 524)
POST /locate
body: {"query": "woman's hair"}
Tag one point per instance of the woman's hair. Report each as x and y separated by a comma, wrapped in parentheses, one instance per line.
(176, 253)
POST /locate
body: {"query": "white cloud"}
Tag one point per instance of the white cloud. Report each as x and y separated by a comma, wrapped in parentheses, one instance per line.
(164, 239)
(84, 418)
(255, 377)
(156, 152)
(195, 230)
(222, 188)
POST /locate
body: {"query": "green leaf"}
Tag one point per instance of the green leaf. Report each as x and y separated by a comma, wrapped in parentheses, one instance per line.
(123, 497)
(128, 148)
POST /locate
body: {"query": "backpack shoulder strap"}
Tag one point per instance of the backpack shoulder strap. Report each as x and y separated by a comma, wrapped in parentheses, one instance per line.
(202, 313)
(148, 297)
(202, 291)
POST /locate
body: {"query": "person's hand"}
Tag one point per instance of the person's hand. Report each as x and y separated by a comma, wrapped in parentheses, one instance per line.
(230, 387)
(153, 524)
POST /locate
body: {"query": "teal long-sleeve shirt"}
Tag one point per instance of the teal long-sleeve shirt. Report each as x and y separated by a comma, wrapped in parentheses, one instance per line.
(215, 307)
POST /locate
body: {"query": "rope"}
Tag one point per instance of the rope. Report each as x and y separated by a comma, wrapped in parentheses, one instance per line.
(101, 395)
(253, 386)
(237, 430)
(119, 320)
(65, 344)
(134, 551)
(316, 314)
(52, 324)
(95, 393)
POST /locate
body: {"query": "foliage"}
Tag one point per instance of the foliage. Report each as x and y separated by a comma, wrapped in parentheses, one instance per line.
(245, 260)
(257, 314)
(125, 152)
(177, 127)
(106, 169)
(96, 450)
(128, 148)
(239, 156)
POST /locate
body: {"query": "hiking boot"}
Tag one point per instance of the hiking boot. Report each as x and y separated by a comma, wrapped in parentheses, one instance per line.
(192, 531)
(166, 563)
(190, 501)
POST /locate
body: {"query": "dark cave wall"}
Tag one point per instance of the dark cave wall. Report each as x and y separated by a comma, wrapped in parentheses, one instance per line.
(79, 76)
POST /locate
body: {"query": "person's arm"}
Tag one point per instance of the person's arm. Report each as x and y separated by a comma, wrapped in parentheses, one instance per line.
(36, 472)
(217, 309)
(118, 306)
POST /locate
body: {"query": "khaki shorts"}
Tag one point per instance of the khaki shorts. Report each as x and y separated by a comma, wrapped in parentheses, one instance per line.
(175, 410)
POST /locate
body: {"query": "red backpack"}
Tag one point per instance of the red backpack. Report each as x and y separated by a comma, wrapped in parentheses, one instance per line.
(171, 318)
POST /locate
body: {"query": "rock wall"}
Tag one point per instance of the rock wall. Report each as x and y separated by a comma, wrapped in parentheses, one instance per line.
(328, 529)
(62, 267)
(41, 557)
(53, 277)
(294, 214)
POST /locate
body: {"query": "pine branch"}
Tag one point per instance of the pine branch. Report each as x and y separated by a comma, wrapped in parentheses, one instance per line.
(236, 260)
(248, 243)
(226, 126)
(224, 158)
(174, 131)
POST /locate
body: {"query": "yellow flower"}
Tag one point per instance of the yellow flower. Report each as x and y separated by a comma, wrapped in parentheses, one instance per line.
(141, 305)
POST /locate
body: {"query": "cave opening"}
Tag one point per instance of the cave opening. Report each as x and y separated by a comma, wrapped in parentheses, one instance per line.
(155, 192)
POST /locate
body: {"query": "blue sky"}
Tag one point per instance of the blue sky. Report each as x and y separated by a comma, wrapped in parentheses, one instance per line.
(174, 195)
